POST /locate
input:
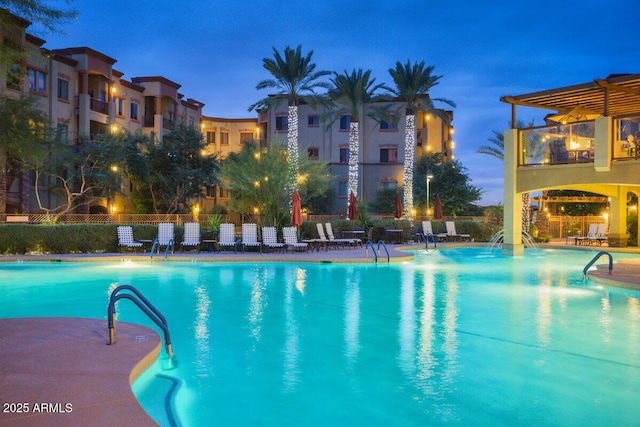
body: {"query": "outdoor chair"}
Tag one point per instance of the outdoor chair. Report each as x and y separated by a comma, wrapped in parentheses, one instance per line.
(125, 238)
(270, 239)
(164, 238)
(191, 236)
(291, 239)
(250, 237)
(347, 242)
(451, 232)
(227, 237)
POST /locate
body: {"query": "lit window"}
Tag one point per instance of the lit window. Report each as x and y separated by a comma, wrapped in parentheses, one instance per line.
(282, 123)
(345, 122)
(388, 155)
(314, 153)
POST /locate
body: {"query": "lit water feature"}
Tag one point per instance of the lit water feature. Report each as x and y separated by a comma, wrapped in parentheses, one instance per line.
(460, 336)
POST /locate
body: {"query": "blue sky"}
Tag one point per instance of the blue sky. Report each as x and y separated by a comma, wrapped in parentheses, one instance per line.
(483, 50)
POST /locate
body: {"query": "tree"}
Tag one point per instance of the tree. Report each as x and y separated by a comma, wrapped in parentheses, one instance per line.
(24, 128)
(257, 182)
(349, 94)
(15, 16)
(178, 171)
(412, 83)
(451, 182)
(296, 79)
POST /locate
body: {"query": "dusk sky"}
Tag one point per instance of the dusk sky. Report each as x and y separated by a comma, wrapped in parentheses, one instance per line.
(483, 50)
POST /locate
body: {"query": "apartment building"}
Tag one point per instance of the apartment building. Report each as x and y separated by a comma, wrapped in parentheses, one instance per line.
(382, 150)
(84, 94)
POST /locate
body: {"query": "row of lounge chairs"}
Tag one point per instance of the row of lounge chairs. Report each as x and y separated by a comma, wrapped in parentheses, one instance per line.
(450, 235)
(597, 234)
(227, 239)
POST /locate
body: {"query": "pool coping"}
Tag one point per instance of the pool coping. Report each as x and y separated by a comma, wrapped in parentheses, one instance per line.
(60, 371)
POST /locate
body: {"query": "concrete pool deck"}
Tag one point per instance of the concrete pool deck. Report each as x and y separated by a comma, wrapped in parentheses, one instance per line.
(51, 363)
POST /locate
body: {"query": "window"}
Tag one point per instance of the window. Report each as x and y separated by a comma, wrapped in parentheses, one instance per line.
(314, 121)
(388, 155)
(343, 186)
(388, 183)
(134, 111)
(37, 81)
(345, 122)
(211, 137)
(344, 155)
(314, 153)
(119, 103)
(246, 137)
(282, 123)
(224, 138)
(63, 89)
(384, 125)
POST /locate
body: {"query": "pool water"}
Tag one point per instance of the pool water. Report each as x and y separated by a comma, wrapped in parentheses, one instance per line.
(457, 337)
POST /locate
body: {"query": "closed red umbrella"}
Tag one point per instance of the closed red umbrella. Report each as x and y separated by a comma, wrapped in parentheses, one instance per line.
(352, 213)
(296, 215)
(397, 212)
(437, 211)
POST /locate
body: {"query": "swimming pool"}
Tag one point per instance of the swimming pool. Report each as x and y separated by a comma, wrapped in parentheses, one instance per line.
(457, 337)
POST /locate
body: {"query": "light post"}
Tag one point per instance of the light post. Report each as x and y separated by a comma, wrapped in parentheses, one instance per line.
(429, 178)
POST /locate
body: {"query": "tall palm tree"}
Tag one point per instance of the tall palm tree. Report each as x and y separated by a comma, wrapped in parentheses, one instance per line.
(412, 83)
(348, 95)
(296, 79)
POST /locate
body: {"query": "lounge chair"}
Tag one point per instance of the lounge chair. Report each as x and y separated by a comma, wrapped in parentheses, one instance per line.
(270, 239)
(227, 237)
(291, 239)
(191, 236)
(165, 237)
(125, 238)
(452, 234)
(347, 242)
(250, 237)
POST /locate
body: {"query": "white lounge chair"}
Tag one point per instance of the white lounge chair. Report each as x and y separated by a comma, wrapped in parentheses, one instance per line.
(191, 236)
(250, 237)
(348, 242)
(270, 239)
(125, 238)
(165, 238)
(451, 232)
(291, 239)
(227, 237)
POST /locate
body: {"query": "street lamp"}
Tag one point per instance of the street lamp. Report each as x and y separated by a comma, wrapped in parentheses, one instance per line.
(429, 178)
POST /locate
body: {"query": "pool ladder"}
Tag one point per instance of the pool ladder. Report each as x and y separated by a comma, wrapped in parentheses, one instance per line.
(144, 305)
(380, 242)
(595, 258)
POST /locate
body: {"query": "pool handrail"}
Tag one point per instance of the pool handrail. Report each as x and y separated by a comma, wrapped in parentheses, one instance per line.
(595, 258)
(385, 249)
(144, 305)
(366, 250)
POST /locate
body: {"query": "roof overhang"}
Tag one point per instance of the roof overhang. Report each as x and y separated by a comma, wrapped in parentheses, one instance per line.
(616, 96)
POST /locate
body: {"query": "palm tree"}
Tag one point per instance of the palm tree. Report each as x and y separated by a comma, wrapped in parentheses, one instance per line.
(349, 94)
(412, 83)
(296, 79)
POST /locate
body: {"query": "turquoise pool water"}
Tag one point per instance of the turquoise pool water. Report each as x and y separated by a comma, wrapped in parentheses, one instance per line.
(458, 337)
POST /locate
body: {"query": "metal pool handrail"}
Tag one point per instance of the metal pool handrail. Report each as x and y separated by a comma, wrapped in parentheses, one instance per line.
(144, 305)
(595, 258)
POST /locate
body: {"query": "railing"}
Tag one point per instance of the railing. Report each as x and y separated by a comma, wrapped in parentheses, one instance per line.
(595, 258)
(366, 250)
(381, 242)
(144, 305)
